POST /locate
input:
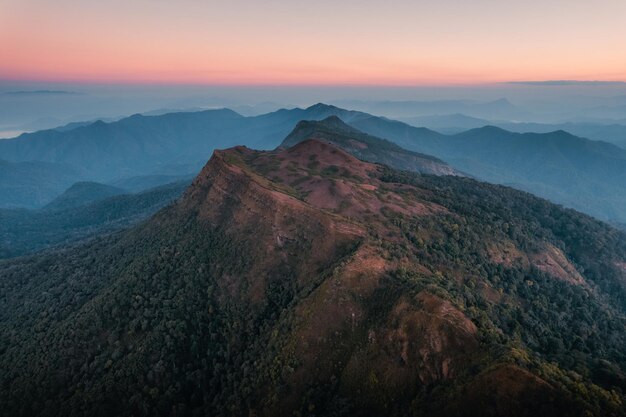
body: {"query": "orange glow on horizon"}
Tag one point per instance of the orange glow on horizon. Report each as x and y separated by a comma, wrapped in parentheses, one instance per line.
(291, 43)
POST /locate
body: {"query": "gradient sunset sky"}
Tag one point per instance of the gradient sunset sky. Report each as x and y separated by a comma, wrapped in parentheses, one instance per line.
(364, 42)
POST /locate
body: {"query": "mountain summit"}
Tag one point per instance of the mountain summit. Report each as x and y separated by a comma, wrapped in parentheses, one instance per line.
(367, 147)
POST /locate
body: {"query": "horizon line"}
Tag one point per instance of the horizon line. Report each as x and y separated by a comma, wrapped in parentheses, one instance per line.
(339, 84)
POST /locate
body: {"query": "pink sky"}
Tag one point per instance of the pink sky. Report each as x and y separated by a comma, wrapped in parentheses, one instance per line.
(393, 42)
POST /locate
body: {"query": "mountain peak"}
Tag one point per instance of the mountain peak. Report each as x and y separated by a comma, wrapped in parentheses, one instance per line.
(82, 193)
(98, 123)
(332, 122)
(486, 130)
(365, 147)
(324, 152)
(321, 107)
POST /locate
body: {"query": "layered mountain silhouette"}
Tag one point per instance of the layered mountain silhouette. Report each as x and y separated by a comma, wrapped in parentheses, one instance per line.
(579, 173)
(367, 147)
(304, 281)
(82, 193)
(34, 183)
(583, 174)
(84, 211)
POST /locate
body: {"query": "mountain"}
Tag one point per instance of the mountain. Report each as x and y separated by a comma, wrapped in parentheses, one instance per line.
(131, 146)
(579, 173)
(83, 193)
(497, 109)
(303, 281)
(173, 144)
(73, 218)
(145, 145)
(145, 182)
(366, 147)
(613, 133)
(65, 219)
(446, 123)
(589, 176)
(34, 183)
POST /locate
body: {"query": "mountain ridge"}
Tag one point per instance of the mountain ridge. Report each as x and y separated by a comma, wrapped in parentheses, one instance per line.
(384, 292)
(82, 193)
(586, 175)
(367, 147)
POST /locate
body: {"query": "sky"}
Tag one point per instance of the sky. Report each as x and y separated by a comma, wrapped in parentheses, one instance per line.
(322, 42)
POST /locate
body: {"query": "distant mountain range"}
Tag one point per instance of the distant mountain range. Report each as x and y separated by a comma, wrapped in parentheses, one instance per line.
(614, 133)
(580, 173)
(587, 175)
(82, 193)
(608, 131)
(497, 109)
(34, 183)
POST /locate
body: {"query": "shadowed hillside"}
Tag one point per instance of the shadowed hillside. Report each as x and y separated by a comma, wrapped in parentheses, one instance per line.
(26, 231)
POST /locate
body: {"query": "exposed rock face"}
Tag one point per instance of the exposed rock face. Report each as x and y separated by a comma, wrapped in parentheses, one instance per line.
(554, 262)
(505, 253)
(550, 260)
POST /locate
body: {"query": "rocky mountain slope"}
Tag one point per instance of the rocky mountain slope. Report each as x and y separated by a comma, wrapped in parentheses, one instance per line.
(305, 281)
(367, 147)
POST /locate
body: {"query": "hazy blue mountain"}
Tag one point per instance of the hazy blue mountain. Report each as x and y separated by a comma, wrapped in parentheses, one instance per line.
(132, 146)
(580, 173)
(401, 133)
(25, 231)
(367, 147)
(614, 133)
(498, 109)
(145, 182)
(446, 123)
(608, 131)
(150, 149)
(83, 193)
(171, 144)
(34, 183)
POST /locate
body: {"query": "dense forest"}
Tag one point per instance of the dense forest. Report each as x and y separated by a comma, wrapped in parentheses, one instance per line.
(80, 214)
(306, 282)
